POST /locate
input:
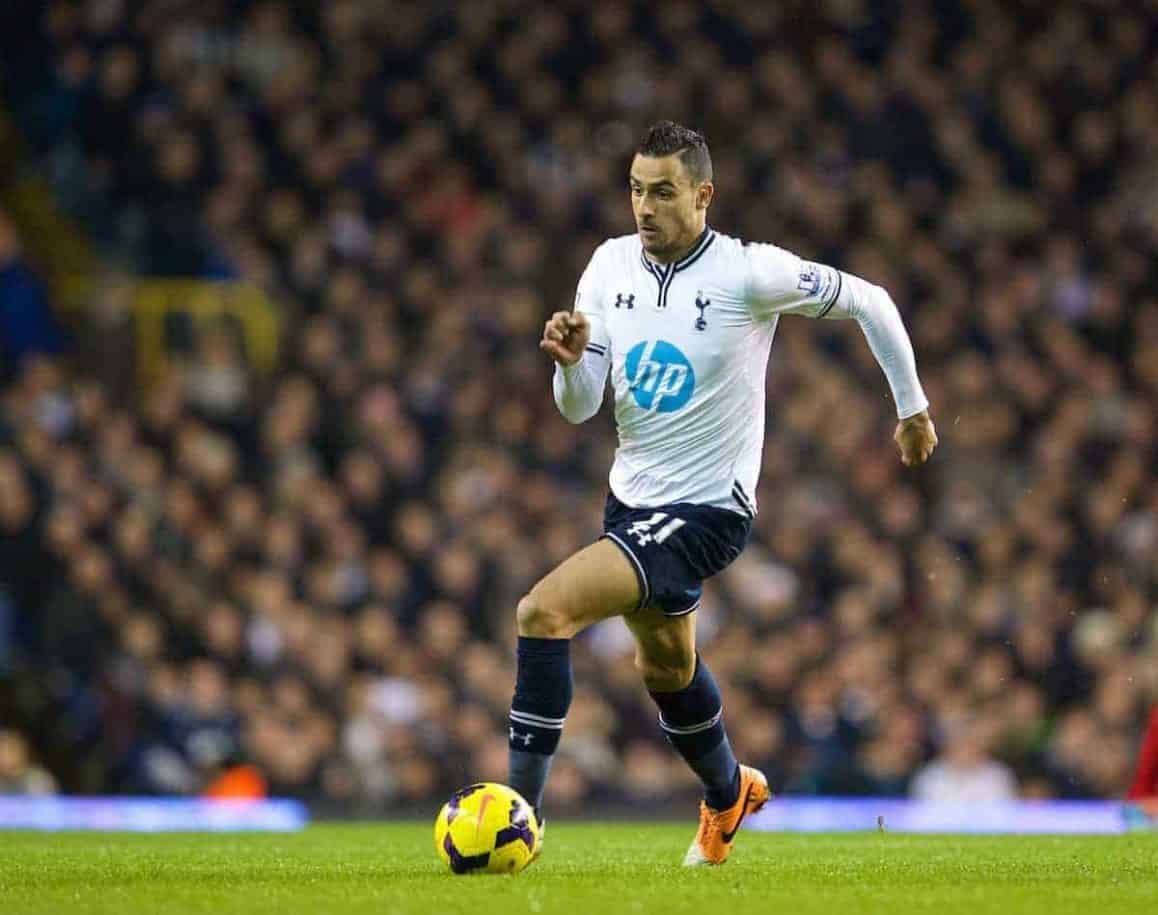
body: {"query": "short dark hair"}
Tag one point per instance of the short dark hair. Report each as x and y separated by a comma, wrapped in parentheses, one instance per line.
(664, 138)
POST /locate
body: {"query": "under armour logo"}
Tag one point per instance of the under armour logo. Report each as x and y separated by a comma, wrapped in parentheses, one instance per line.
(525, 738)
(702, 304)
(621, 300)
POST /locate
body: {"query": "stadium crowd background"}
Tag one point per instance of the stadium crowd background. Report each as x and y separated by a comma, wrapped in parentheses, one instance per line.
(316, 571)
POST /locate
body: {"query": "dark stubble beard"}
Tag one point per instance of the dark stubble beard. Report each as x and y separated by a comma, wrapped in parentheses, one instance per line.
(668, 252)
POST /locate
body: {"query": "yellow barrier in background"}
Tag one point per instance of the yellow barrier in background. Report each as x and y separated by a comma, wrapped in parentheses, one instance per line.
(58, 247)
(156, 302)
(61, 252)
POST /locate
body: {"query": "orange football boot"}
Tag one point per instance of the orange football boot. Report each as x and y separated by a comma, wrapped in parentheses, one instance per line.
(718, 828)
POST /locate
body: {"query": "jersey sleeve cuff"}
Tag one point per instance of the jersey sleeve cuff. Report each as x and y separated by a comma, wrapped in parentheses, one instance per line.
(911, 409)
(571, 372)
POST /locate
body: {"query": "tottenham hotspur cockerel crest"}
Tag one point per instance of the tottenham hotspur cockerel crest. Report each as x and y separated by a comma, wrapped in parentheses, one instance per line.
(702, 304)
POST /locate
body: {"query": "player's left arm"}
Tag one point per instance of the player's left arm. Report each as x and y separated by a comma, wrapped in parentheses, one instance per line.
(782, 283)
(875, 311)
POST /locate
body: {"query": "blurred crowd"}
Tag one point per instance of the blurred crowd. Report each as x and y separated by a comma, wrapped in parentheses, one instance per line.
(316, 572)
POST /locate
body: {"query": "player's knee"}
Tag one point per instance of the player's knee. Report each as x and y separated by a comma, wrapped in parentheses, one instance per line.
(666, 675)
(537, 619)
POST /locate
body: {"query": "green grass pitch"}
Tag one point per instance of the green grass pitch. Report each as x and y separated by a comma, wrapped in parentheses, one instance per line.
(391, 869)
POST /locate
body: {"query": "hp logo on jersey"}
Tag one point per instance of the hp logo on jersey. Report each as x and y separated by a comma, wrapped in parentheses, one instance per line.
(661, 378)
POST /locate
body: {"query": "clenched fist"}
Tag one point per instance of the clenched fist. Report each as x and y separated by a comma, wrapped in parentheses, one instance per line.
(565, 336)
(916, 438)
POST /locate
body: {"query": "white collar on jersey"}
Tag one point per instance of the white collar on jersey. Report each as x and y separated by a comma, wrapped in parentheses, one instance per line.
(665, 273)
(694, 254)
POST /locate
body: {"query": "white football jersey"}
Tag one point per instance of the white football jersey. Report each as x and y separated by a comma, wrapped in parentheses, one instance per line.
(687, 346)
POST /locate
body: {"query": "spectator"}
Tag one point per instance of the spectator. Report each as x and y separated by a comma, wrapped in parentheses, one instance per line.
(1144, 789)
(19, 773)
(964, 772)
(27, 324)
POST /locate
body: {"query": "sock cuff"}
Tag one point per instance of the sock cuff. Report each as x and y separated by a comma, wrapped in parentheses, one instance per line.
(542, 695)
(696, 707)
(543, 648)
(538, 721)
(686, 730)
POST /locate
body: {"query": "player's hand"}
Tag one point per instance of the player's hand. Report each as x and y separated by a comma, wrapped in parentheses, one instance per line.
(916, 438)
(565, 336)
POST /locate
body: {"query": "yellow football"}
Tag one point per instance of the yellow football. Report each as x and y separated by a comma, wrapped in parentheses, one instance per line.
(487, 828)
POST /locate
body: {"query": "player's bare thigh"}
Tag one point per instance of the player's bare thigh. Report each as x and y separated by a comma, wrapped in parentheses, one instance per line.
(593, 584)
(665, 648)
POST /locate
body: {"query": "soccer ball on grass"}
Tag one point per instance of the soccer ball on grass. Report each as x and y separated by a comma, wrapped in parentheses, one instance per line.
(487, 828)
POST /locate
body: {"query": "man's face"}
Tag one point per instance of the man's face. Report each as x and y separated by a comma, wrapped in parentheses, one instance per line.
(670, 206)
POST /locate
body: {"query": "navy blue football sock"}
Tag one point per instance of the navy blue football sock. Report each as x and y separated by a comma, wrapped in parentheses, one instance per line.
(693, 720)
(720, 792)
(542, 697)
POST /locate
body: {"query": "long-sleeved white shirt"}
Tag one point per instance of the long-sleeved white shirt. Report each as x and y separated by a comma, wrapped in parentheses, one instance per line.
(686, 346)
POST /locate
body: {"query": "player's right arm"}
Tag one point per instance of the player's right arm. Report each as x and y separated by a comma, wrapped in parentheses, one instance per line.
(578, 342)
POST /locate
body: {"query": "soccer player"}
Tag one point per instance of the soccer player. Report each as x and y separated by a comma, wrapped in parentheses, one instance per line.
(682, 318)
(1144, 790)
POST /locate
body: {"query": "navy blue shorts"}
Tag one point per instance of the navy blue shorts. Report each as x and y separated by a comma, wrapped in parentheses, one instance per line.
(675, 547)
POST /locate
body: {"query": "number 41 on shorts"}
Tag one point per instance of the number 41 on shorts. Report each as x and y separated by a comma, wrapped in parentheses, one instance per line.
(642, 530)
